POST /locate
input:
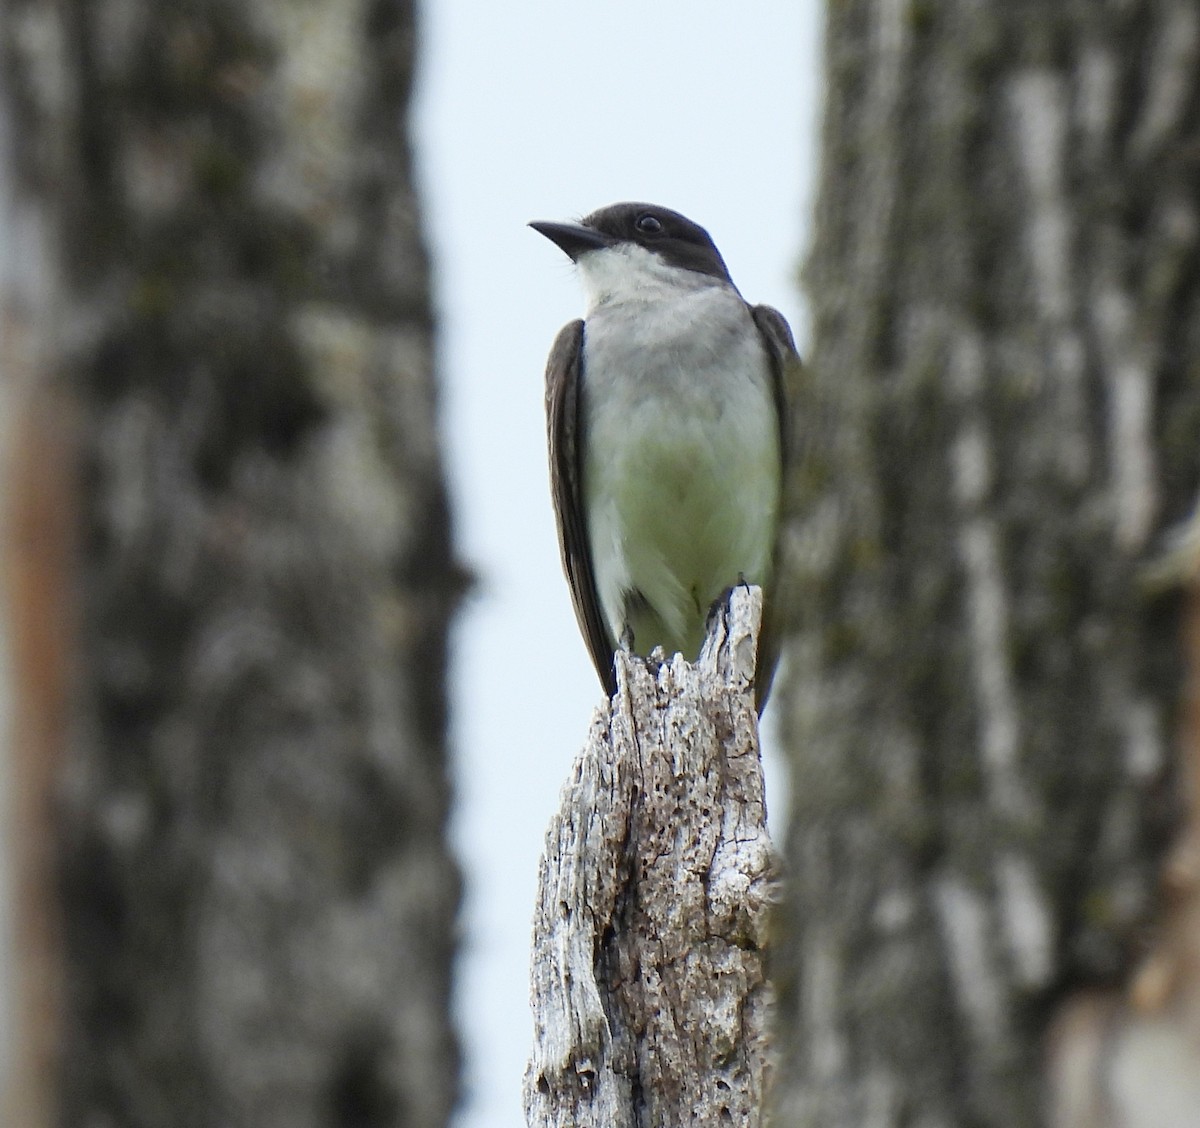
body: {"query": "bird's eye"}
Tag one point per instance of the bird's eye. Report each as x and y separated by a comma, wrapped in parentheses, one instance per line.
(649, 225)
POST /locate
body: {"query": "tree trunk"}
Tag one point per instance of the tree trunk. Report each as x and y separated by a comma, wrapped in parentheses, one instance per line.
(650, 1001)
(1002, 421)
(218, 276)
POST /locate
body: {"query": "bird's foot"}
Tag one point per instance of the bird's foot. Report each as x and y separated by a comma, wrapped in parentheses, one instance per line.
(722, 601)
(626, 640)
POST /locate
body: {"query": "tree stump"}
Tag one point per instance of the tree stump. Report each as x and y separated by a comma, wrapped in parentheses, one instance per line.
(650, 999)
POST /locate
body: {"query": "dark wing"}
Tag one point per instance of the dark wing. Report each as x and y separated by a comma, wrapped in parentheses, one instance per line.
(786, 371)
(564, 429)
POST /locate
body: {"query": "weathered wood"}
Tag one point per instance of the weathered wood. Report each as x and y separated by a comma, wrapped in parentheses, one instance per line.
(649, 997)
(1003, 414)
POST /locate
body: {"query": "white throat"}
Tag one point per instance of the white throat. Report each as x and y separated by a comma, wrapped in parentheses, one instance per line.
(627, 272)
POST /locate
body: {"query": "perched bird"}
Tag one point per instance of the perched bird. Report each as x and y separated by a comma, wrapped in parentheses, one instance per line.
(666, 416)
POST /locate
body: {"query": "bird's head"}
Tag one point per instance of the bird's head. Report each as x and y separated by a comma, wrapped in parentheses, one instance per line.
(630, 247)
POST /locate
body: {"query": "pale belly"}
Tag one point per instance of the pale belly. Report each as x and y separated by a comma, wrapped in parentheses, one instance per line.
(681, 476)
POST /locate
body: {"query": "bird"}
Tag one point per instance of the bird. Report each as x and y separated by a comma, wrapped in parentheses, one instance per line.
(667, 425)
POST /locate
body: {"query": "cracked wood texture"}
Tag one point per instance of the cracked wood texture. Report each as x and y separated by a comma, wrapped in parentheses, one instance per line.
(649, 997)
(983, 707)
(229, 578)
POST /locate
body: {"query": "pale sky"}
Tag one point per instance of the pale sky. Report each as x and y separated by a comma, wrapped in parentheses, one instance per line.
(547, 111)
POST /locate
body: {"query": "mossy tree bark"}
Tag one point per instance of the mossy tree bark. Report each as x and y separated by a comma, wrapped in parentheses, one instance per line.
(217, 307)
(983, 701)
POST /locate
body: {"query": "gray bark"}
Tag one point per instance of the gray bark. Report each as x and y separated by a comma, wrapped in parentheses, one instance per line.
(256, 899)
(649, 995)
(1002, 421)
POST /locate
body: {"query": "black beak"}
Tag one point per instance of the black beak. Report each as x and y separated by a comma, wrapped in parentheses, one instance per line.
(572, 238)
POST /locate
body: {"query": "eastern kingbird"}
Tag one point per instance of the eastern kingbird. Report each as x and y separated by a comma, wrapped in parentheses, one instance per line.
(667, 422)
